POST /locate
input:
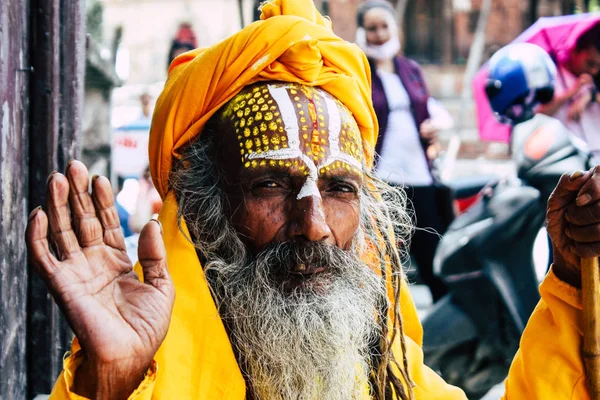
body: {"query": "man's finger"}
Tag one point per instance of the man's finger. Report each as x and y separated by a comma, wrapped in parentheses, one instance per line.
(104, 200)
(590, 191)
(583, 215)
(153, 256)
(89, 230)
(61, 230)
(584, 234)
(567, 189)
(38, 249)
(585, 250)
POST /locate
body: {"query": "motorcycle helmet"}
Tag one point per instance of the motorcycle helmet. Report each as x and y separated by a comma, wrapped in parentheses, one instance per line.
(520, 76)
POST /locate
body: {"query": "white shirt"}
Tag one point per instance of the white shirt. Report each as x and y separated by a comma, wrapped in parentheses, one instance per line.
(402, 159)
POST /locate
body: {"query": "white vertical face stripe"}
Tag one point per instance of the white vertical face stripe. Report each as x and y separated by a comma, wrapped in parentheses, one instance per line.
(335, 127)
(288, 115)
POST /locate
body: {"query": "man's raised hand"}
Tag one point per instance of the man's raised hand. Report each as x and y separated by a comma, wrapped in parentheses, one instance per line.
(120, 322)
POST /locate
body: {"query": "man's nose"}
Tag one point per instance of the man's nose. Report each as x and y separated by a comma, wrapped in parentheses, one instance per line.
(309, 222)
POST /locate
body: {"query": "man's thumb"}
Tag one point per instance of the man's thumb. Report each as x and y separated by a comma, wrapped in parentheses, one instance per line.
(152, 254)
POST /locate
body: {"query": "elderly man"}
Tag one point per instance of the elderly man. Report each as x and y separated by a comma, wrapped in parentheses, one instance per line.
(280, 242)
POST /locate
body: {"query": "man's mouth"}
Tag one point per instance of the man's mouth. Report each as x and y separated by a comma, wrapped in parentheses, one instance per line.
(306, 270)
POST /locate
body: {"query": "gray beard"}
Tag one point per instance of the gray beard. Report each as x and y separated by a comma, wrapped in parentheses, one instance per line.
(307, 342)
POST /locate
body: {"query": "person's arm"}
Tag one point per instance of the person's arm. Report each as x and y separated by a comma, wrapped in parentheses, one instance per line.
(560, 100)
(549, 363)
(64, 388)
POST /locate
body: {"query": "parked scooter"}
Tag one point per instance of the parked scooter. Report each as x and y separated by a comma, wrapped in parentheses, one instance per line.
(486, 261)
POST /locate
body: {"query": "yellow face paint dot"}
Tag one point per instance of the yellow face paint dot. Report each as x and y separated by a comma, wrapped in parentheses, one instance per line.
(305, 128)
(301, 112)
(251, 102)
(242, 103)
(303, 120)
(240, 114)
(264, 107)
(242, 153)
(322, 170)
(254, 164)
(255, 108)
(247, 165)
(260, 101)
(283, 138)
(280, 129)
(263, 163)
(272, 163)
(250, 120)
(322, 118)
(299, 105)
(246, 112)
(248, 144)
(275, 140)
(255, 131)
(277, 115)
(265, 139)
(288, 164)
(263, 127)
(305, 136)
(247, 132)
(270, 102)
(281, 163)
(322, 124)
(257, 95)
(258, 116)
(272, 126)
(268, 116)
(293, 91)
(257, 142)
(296, 98)
(242, 122)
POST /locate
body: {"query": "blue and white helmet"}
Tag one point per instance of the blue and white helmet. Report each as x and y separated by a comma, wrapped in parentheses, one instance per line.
(520, 76)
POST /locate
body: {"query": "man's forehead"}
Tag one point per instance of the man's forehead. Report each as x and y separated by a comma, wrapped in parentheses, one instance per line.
(277, 122)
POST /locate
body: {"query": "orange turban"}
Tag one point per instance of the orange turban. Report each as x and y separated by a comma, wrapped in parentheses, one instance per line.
(291, 43)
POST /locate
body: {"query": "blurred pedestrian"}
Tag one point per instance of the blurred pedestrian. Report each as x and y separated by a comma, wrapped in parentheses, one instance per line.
(406, 132)
(184, 40)
(576, 97)
(147, 205)
(121, 209)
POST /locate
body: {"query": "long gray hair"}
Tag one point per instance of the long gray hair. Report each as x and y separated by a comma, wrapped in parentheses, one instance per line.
(384, 232)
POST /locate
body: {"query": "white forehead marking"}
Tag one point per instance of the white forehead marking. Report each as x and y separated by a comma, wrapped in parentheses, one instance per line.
(290, 122)
(288, 115)
(335, 127)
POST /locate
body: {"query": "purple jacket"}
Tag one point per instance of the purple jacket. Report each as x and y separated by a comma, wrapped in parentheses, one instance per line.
(412, 78)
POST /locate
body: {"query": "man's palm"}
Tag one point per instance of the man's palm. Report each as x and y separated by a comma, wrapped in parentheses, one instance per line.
(120, 322)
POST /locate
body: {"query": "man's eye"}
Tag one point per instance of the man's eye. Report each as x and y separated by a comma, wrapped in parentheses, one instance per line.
(343, 188)
(267, 184)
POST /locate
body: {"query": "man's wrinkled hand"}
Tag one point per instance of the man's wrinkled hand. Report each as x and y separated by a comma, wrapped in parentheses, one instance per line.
(120, 322)
(573, 223)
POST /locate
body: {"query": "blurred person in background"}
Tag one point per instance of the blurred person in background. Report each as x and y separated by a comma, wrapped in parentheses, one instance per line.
(121, 210)
(576, 98)
(147, 205)
(184, 40)
(407, 132)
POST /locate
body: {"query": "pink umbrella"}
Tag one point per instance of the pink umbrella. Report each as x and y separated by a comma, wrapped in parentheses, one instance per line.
(556, 35)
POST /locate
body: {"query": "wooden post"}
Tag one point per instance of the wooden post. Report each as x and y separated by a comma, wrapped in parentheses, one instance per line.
(590, 288)
(58, 58)
(15, 73)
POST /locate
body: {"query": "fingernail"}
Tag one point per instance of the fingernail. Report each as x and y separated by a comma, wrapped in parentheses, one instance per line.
(69, 163)
(159, 225)
(583, 199)
(34, 212)
(94, 177)
(50, 176)
(576, 175)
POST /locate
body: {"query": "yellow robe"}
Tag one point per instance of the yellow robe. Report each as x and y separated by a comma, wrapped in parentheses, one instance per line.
(196, 360)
